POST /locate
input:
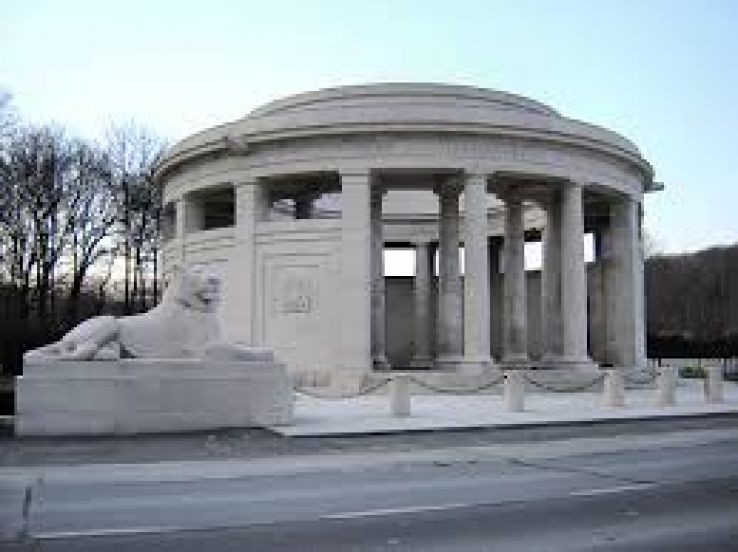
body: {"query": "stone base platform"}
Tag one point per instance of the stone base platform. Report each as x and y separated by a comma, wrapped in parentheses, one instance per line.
(150, 396)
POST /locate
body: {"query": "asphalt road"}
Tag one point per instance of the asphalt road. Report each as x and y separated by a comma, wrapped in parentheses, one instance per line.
(665, 498)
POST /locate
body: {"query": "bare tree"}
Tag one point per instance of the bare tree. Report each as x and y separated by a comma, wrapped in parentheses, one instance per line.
(32, 205)
(8, 116)
(133, 152)
(92, 217)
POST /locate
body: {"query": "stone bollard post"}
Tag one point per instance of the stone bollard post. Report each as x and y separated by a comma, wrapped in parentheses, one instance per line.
(514, 393)
(714, 384)
(613, 389)
(400, 395)
(666, 385)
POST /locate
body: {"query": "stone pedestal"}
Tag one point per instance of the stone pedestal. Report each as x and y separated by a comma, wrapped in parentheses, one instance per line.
(150, 396)
(666, 386)
(613, 393)
(714, 384)
(514, 392)
(400, 395)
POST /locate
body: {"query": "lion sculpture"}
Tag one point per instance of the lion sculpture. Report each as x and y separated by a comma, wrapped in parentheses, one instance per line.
(183, 325)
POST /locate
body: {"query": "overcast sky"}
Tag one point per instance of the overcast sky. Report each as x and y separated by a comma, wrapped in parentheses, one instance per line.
(662, 73)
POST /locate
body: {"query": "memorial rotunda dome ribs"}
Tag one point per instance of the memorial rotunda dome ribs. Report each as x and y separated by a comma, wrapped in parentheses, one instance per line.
(295, 202)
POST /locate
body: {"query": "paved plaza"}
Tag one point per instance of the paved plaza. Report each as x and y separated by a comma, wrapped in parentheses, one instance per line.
(371, 413)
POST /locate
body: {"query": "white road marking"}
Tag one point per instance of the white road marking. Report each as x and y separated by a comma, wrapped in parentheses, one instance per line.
(613, 490)
(394, 511)
(112, 531)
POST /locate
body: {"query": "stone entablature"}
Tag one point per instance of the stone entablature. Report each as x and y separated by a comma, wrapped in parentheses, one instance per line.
(452, 152)
(407, 108)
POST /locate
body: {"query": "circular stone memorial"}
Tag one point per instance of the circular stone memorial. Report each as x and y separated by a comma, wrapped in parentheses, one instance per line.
(295, 203)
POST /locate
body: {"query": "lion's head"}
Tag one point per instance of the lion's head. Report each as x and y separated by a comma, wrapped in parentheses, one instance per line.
(197, 289)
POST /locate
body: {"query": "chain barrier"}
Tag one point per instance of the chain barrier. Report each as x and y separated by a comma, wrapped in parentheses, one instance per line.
(634, 380)
(457, 391)
(461, 390)
(575, 389)
(360, 393)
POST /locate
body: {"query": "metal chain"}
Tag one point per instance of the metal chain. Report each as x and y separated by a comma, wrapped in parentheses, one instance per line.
(359, 393)
(457, 391)
(650, 378)
(575, 389)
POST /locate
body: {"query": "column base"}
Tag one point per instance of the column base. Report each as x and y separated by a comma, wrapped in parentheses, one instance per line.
(420, 363)
(557, 362)
(512, 362)
(380, 363)
(475, 365)
(460, 364)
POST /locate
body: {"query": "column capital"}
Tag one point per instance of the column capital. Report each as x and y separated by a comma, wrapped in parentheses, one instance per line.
(355, 176)
(473, 175)
(511, 194)
(512, 200)
(575, 183)
(248, 180)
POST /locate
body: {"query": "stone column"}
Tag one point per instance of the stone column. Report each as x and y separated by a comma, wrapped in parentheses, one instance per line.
(449, 326)
(598, 299)
(303, 207)
(304, 201)
(180, 231)
(573, 277)
(476, 275)
(496, 314)
(379, 356)
(193, 214)
(623, 255)
(355, 282)
(422, 299)
(515, 331)
(551, 324)
(239, 314)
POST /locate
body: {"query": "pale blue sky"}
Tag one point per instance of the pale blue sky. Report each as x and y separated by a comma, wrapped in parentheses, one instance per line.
(663, 73)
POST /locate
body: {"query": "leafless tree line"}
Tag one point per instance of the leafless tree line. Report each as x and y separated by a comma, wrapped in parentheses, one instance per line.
(692, 304)
(79, 228)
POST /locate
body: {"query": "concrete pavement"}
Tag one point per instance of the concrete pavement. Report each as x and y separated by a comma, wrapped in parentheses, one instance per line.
(65, 505)
(679, 517)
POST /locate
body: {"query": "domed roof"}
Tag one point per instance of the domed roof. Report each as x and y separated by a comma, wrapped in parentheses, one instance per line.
(400, 107)
(403, 96)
